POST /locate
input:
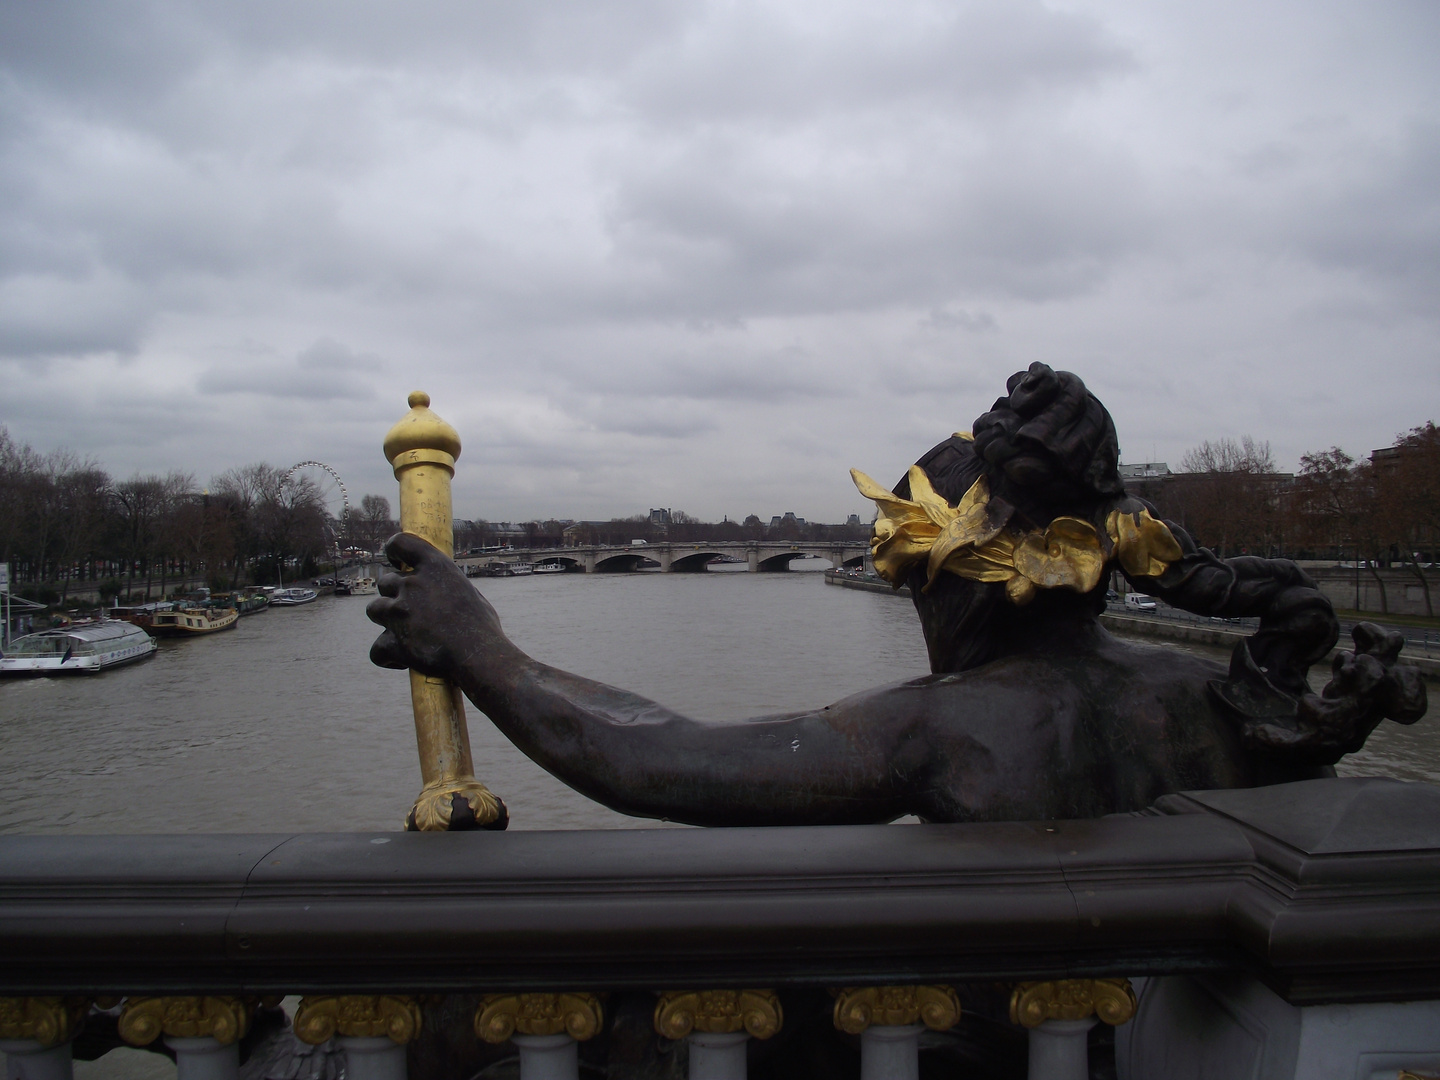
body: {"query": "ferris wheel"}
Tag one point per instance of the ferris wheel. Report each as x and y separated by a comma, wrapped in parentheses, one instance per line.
(331, 489)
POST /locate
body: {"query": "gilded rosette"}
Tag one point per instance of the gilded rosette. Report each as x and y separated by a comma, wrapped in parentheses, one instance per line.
(48, 1021)
(719, 1012)
(1112, 1000)
(323, 1017)
(145, 1019)
(502, 1015)
(858, 1008)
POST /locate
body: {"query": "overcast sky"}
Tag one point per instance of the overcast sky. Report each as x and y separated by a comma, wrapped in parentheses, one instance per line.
(708, 255)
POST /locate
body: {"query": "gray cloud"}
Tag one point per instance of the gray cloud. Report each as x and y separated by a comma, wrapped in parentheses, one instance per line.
(707, 254)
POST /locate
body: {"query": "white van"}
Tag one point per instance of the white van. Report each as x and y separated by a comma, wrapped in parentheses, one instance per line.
(1140, 602)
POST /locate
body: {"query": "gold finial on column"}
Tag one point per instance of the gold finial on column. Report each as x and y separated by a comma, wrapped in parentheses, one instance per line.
(422, 449)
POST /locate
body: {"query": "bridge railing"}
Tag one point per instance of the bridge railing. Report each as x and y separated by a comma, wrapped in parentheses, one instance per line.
(1326, 892)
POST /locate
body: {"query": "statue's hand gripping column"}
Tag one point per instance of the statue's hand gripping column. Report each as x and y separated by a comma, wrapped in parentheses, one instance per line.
(422, 449)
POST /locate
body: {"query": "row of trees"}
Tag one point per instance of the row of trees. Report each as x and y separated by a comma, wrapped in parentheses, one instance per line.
(64, 521)
(1379, 511)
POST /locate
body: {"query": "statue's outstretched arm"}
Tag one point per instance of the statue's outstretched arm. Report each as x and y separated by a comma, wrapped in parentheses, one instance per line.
(860, 760)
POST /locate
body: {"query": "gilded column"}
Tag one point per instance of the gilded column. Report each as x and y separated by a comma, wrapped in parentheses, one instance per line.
(35, 1034)
(372, 1029)
(203, 1032)
(718, 1024)
(888, 1020)
(422, 449)
(546, 1028)
(1059, 1015)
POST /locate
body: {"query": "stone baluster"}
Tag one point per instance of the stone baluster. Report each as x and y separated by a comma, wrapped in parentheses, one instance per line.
(35, 1034)
(203, 1032)
(889, 1020)
(718, 1024)
(1060, 1014)
(372, 1030)
(547, 1029)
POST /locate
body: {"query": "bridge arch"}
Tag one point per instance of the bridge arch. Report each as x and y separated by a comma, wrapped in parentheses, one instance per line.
(781, 562)
(693, 562)
(624, 563)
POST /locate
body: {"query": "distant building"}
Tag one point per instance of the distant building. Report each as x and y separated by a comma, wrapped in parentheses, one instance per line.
(853, 519)
(1144, 471)
(788, 519)
(660, 517)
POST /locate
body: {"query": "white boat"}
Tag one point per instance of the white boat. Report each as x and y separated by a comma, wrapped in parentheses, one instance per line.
(364, 586)
(88, 647)
(292, 597)
(549, 568)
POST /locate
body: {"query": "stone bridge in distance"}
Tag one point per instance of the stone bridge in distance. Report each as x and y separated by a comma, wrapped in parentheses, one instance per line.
(690, 557)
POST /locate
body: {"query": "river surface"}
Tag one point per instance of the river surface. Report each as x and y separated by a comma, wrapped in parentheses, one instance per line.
(284, 725)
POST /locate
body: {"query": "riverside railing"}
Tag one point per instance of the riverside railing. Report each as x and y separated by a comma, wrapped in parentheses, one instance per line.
(1317, 895)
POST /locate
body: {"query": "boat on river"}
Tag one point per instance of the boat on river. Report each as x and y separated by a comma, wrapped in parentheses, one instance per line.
(293, 597)
(86, 647)
(193, 621)
(363, 586)
(246, 604)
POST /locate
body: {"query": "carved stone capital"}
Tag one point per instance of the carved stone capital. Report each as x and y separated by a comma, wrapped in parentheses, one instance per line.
(718, 1012)
(502, 1015)
(1112, 1000)
(145, 1019)
(366, 1016)
(857, 1008)
(49, 1021)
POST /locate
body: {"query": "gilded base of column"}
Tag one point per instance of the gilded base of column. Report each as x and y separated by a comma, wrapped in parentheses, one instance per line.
(456, 805)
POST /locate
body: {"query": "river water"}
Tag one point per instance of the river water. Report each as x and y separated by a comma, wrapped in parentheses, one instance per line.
(284, 725)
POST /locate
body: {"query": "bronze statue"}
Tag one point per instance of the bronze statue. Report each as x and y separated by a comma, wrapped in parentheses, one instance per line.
(1034, 711)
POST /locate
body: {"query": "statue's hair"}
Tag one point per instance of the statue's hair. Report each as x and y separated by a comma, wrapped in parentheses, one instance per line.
(1049, 448)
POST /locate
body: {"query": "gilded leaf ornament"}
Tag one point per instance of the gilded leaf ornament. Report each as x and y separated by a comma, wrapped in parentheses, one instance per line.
(502, 1015)
(322, 1017)
(1112, 1000)
(979, 540)
(145, 1019)
(434, 805)
(857, 1008)
(48, 1021)
(718, 1012)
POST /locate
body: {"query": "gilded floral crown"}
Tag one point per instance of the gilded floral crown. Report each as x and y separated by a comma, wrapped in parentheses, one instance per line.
(978, 540)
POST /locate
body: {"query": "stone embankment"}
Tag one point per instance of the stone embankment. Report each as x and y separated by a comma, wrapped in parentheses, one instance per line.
(1217, 636)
